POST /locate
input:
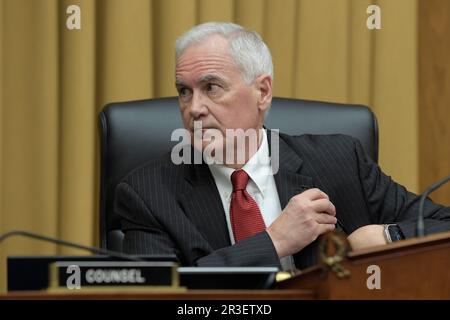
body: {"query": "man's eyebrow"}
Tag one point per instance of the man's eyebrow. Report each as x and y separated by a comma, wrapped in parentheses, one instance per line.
(179, 83)
(205, 78)
(210, 77)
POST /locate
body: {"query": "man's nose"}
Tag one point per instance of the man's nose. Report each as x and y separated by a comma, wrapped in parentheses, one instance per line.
(198, 106)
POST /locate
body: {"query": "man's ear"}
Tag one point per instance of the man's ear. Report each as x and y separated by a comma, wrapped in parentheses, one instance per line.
(264, 91)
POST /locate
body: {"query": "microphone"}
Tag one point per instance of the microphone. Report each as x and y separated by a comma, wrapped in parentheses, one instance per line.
(28, 234)
(420, 228)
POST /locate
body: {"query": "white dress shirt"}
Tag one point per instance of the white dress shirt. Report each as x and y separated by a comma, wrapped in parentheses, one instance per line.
(261, 186)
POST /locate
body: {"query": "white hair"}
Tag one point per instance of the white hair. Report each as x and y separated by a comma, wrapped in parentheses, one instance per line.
(247, 49)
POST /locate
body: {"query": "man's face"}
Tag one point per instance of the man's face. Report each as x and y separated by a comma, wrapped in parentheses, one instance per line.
(211, 89)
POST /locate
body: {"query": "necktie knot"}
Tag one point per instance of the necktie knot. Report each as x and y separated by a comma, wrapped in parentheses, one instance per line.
(239, 180)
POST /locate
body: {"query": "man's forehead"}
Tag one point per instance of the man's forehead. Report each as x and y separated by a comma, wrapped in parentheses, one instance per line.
(205, 61)
(204, 70)
(202, 57)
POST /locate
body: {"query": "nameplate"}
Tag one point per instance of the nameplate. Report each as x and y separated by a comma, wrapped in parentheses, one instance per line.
(74, 275)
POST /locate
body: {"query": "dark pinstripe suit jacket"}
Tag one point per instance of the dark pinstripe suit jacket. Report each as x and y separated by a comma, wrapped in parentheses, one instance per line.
(176, 209)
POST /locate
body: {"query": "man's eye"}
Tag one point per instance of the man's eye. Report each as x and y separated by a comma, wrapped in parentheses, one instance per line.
(183, 92)
(211, 87)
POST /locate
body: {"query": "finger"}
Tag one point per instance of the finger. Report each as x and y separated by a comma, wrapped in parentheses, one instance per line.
(315, 194)
(323, 218)
(324, 206)
(324, 228)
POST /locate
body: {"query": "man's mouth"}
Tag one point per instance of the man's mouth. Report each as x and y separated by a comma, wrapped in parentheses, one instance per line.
(207, 133)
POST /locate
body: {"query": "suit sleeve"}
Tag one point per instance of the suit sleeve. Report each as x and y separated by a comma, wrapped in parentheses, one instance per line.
(390, 202)
(145, 235)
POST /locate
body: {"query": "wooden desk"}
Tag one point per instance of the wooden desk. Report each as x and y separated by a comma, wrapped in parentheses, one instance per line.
(409, 269)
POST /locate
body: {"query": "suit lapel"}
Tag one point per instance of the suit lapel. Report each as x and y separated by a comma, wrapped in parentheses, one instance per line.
(203, 206)
(289, 178)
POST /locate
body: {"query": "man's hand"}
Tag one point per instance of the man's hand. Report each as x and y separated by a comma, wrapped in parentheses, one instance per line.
(306, 216)
(367, 236)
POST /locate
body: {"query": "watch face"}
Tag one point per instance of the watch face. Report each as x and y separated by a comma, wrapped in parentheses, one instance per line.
(395, 233)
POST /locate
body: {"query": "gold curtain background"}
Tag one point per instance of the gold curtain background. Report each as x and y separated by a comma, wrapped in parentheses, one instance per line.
(54, 81)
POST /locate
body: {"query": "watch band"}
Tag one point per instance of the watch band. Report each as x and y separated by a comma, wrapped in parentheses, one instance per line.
(387, 234)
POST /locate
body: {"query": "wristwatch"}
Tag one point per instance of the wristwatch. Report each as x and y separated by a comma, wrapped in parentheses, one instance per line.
(392, 233)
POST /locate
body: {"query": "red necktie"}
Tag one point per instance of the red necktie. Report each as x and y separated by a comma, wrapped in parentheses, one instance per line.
(246, 218)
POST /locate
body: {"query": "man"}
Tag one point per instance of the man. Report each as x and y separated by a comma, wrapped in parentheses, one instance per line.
(233, 213)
